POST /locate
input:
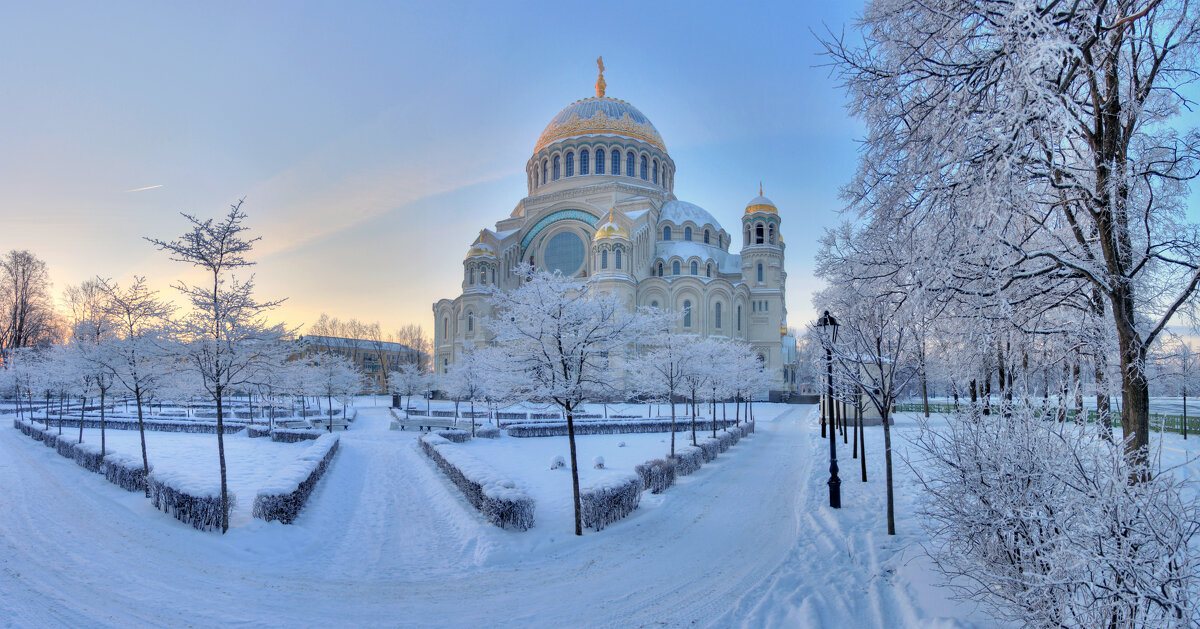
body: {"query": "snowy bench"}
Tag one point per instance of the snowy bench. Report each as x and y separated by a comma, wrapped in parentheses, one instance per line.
(425, 423)
(321, 424)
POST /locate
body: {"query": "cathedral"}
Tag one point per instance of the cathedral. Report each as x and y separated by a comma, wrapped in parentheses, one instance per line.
(600, 205)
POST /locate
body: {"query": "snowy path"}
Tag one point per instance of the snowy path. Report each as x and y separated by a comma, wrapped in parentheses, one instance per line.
(386, 540)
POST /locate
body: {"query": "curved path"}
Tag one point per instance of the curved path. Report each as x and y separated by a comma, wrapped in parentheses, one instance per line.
(386, 540)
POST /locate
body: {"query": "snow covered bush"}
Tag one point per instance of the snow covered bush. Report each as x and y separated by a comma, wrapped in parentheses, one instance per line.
(656, 475)
(598, 462)
(49, 439)
(286, 491)
(488, 432)
(65, 447)
(190, 501)
(88, 457)
(1038, 520)
(604, 427)
(725, 440)
(621, 444)
(455, 436)
(255, 432)
(125, 472)
(497, 497)
(284, 435)
(609, 499)
(688, 459)
(711, 448)
(558, 462)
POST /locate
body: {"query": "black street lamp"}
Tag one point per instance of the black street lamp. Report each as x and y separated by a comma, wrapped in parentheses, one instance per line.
(829, 326)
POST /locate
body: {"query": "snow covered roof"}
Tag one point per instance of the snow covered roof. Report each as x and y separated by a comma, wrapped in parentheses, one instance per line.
(680, 212)
(726, 262)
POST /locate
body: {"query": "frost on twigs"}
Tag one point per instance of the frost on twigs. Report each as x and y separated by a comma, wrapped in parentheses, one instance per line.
(286, 492)
(609, 499)
(688, 459)
(497, 497)
(656, 475)
(1038, 520)
(189, 502)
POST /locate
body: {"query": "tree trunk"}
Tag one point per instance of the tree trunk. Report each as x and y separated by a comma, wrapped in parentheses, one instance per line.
(137, 394)
(694, 418)
(329, 406)
(672, 395)
(570, 413)
(887, 457)
(82, 408)
(221, 456)
(1185, 419)
(862, 438)
(102, 450)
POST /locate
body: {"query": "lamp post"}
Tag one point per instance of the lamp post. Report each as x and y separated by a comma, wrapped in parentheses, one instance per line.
(829, 325)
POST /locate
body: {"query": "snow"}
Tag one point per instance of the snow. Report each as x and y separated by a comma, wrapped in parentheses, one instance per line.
(747, 540)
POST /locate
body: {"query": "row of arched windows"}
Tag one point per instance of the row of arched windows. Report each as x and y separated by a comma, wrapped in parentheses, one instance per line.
(706, 236)
(604, 259)
(687, 314)
(693, 268)
(483, 274)
(553, 169)
(760, 234)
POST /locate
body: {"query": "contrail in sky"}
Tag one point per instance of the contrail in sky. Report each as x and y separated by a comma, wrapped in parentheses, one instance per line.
(146, 188)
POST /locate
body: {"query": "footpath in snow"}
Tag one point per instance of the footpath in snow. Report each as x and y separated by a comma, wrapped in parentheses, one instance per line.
(386, 540)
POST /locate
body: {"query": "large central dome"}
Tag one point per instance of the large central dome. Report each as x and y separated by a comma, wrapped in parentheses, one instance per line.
(600, 115)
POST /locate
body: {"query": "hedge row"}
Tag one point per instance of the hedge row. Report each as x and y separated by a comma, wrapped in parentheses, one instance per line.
(609, 499)
(610, 427)
(659, 474)
(487, 432)
(493, 494)
(157, 425)
(455, 436)
(656, 475)
(120, 470)
(286, 435)
(188, 500)
(286, 492)
(255, 432)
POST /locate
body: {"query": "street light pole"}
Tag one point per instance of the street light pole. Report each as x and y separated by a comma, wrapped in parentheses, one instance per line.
(827, 322)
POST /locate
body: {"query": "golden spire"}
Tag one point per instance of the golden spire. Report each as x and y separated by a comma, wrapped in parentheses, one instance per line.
(760, 188)
(600, 84)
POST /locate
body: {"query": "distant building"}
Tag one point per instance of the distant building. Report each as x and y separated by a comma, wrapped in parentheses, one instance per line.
(601, 204)
(374, 358)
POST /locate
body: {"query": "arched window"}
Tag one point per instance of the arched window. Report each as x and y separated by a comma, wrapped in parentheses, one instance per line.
(470, 275)
(599, 161)
(687, 234)
(694, 268)
(654, 304)
(604, 259)
(760, 272)
(758, 234)
(645, 172)
(660, 269)
(654, 171)
(618, 259)
(545, 170)
(687, 314)
(584, 162)
(629, 164)
(666, 233)
(717, 315)
(739, 319)
(445, 328)
(706, 237)
(771, 233)
(535, 177)
(570, 163)
(556, 170)
(445, 365)
(616, 162)
(483, 276)
(470, 322)
(708, 270)
(675, 268)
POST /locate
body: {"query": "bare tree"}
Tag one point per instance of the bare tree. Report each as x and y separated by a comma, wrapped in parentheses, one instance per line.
(413, 336)
(28, 311)
(226, 331)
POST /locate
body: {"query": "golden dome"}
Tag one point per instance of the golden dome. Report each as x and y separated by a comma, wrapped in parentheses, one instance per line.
(600, 115)
(761, 204)
(610, 229)
(480, 250)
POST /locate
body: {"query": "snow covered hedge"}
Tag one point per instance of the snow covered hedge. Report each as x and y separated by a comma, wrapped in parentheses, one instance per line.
(190, 501)
(609, 498)
(608, 427)
(656, 475)
(287, 490)
(255, 432)
(88, 457)
(125, 472)
(157, 425)
(497, 497)
(65, 447)
(455, 436)
(286, 435)
(487, 432)
(688, 459)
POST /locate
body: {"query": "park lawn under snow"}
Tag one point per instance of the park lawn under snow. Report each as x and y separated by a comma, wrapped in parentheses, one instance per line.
(248, 462)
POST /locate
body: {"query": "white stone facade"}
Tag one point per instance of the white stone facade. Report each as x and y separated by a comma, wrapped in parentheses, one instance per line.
(628, 231)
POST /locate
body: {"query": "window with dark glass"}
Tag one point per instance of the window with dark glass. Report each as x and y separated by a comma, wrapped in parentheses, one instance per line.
(629, 164)
(604, 259)
(616, 162)
(687, 314)
(687, 234)
(758, 234)
(584, 162)
(717, 315)
(545, 170)
(654, 171)
(694, 268)
(618, 258)
(706, 236)
(570, 163)
(645, 174)
(556, 171)
(666, 233)
(760, 273)
(599, 161)
(675, 268)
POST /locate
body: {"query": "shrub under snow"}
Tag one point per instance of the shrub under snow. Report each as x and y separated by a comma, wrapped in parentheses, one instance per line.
(607, 427)
(255, 432)
(88, 457)
(558, 462)
(487, 432)
(497, 497)
(688, 459)
(609, 499)
(656, 475)
(190, 501)
(285, 493)
(285, 435)
(125, 472)
(598, 462)
(455, 435)
(1038, 520)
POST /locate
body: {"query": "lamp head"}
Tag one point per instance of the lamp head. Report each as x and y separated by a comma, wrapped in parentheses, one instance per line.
(829, 325)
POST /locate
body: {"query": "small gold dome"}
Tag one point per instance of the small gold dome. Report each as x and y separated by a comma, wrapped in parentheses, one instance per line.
(761, 204)
(480, 250)
(610, 229)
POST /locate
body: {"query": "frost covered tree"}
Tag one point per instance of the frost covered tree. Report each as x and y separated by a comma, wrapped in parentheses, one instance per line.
(1040, 134)
(92, 341)
(334, 375)
(407, 380)
(558, 336)
(226, 333)
(141, 326)
(662, 361)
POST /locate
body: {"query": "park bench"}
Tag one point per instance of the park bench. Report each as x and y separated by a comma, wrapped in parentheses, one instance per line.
(323, 424)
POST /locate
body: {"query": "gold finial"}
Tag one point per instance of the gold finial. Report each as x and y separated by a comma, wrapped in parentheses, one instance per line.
(760, 188)
(600, 84)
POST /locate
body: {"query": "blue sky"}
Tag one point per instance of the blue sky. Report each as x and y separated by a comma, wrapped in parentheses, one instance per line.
(372, 141)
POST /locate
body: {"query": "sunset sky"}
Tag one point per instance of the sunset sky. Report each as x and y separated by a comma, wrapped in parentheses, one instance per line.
(372, 141)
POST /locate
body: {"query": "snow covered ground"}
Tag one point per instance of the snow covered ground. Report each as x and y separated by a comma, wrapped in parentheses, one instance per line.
(386, 540)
